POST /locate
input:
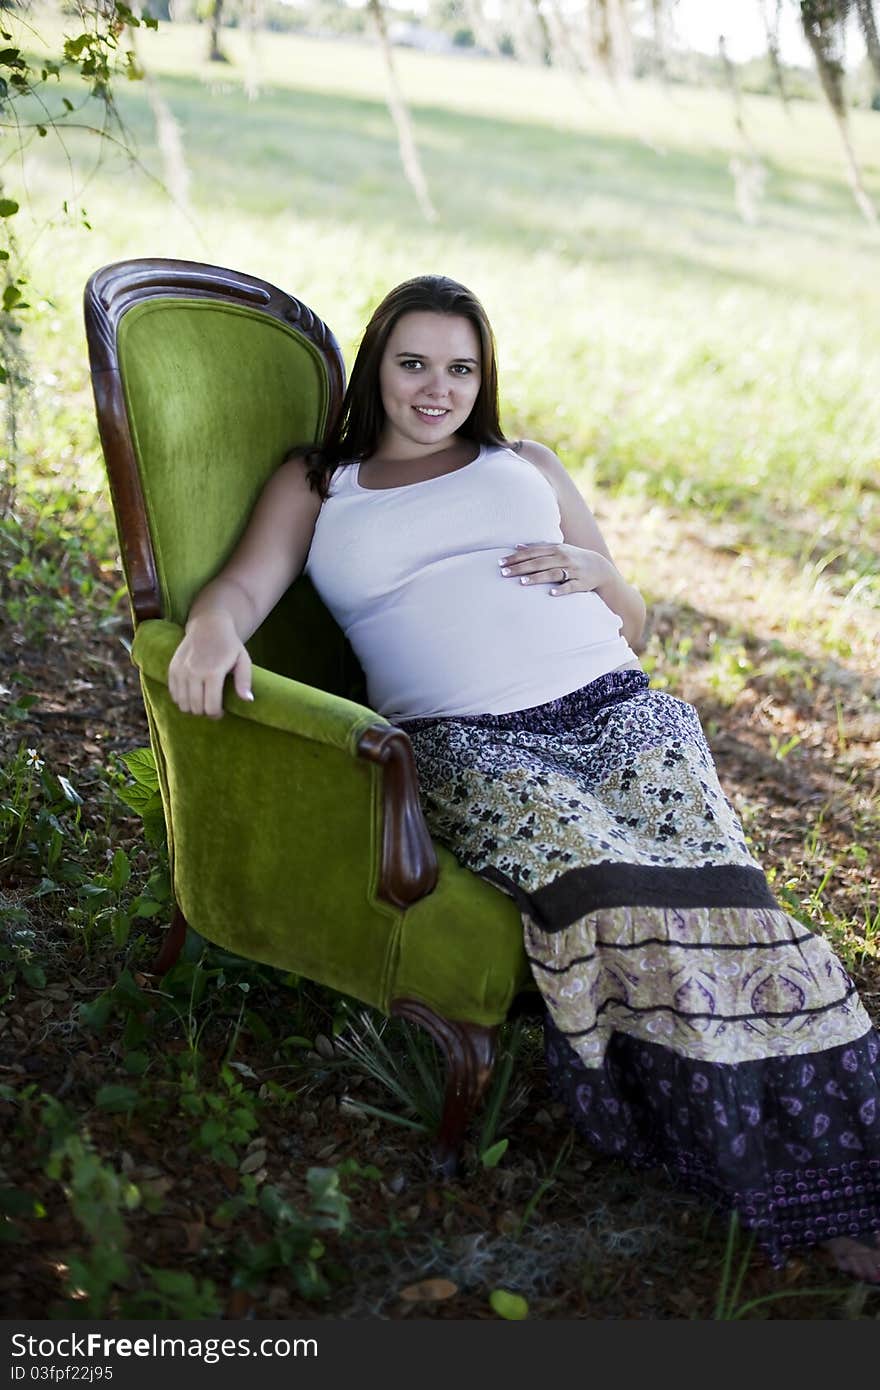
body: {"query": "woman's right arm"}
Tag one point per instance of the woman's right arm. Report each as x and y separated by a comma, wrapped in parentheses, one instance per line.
(229, 609)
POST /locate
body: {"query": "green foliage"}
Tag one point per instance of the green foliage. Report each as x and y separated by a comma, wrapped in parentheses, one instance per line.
(143, 795)
(97, 56)
(99, 1198)
(227, 1118)
(728, 1305)
(39, 820)
(173, 1294)
(294, 1245)
(18, 959)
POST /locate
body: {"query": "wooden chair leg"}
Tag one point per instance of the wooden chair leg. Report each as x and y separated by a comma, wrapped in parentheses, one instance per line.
(469, 1049)
(172, 945)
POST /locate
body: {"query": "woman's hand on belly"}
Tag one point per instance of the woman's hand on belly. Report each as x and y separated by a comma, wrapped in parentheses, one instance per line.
(569, 568)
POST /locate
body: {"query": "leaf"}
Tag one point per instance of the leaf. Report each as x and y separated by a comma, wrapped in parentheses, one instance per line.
(429, 1291)
(120, 926)
(511, 1306)
(121, 871)
(136, 1063)
(146, 907)
(70, 791)
(141, 763)
(491, 1157)
(8, 207)
(115, 1098)
(94, 1016)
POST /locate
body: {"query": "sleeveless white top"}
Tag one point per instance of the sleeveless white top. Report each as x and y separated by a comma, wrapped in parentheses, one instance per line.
(411, 575)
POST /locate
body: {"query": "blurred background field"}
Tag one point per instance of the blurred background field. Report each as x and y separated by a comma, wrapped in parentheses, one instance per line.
(688, 310)
(656, 339)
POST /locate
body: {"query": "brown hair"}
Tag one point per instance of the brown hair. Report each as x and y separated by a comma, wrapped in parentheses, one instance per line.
(356, 431)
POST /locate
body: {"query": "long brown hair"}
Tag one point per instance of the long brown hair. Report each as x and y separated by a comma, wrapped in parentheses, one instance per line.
(356, 431)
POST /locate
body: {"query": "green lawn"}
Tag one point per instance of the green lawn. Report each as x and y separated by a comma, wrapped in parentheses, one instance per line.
(645, 330)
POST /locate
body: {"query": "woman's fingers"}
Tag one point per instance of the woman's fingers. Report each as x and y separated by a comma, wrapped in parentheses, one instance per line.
(198, 670)
(539, 565)
(526, 566)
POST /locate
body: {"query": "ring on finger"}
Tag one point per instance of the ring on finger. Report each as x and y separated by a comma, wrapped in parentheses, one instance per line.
(565, 576)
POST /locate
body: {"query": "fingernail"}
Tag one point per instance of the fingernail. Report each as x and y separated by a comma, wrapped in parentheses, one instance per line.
(249, 695)
(524, 579)
(505, 571)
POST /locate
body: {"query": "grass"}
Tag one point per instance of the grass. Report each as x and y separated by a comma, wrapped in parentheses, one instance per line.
(710, 384)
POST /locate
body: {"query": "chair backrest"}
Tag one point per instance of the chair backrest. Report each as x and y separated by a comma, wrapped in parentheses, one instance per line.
(204, 378)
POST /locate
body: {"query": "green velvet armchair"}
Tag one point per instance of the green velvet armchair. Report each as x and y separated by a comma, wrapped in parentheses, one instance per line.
(295, 832)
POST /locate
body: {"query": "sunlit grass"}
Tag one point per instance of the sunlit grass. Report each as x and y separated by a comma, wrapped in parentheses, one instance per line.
(660, 344)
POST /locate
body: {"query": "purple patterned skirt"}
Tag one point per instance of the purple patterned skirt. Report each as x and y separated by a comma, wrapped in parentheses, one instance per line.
(691, 1022)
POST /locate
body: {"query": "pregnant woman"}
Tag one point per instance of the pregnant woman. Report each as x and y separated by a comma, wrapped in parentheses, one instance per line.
(690, 1022)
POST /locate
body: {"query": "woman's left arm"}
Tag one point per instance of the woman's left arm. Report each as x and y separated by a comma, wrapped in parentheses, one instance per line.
(583, 554)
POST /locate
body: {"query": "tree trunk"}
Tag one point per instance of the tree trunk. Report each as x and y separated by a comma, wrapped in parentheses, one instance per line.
(749, 174)
(821, 24)
(409, 155)
(612, 37)
(771, 28)
(169, 137)
(486, 31)
(215, 52)
(544, 30)
(660, 34)
(872, 39)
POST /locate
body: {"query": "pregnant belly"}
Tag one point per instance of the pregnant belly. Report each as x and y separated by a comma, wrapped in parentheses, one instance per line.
(463, 638)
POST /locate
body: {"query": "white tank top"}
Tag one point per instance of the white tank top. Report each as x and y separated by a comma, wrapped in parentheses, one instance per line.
(411, 575)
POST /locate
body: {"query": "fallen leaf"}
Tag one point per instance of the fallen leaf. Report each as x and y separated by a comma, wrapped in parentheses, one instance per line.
(253, 1161)
(508, 1305)
(429, 1290)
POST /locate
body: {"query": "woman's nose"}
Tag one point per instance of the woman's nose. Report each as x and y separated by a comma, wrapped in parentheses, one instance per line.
(436, 386)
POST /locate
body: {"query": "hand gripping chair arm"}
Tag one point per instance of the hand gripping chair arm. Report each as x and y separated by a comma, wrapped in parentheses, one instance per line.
(408, 864)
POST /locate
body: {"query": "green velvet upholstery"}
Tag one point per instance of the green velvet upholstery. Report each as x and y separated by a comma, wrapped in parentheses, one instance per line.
(274, 822)
(206, 383)
(254, 801)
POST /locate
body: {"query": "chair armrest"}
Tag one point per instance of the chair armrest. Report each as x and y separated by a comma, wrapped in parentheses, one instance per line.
(408, 869)
(279, 703)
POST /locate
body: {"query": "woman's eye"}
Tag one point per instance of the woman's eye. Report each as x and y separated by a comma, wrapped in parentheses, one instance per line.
(410, 362)
(461, 369)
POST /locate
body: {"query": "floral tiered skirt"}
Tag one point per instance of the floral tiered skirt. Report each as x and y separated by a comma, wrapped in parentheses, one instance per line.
(690, 1022)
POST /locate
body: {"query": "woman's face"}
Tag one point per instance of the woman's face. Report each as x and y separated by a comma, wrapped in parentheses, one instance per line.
(429, 378)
